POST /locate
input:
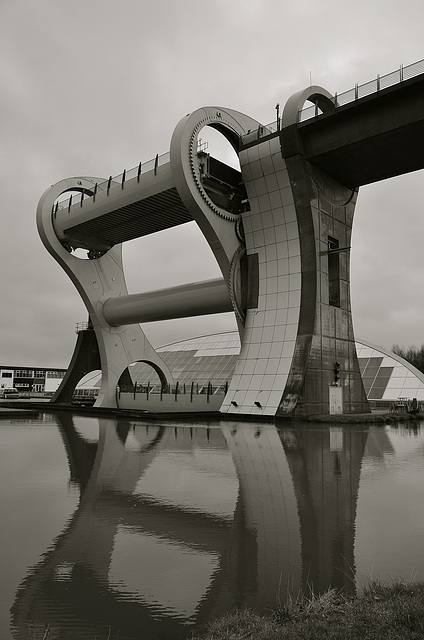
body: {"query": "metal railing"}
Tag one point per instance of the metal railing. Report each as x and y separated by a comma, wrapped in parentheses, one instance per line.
(194, 389)
(359, 91)
(120, 179)
(197, 388)
(363, 90)
(114, 181)
(83, 326)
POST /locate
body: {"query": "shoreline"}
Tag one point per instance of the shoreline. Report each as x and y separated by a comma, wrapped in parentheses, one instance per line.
(16, 407)
(377, 612)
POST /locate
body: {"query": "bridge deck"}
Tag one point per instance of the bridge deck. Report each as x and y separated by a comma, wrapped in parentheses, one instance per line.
(144, 205)
(377, 137)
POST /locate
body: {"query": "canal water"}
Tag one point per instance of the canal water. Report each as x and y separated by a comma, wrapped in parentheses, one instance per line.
(145, 530)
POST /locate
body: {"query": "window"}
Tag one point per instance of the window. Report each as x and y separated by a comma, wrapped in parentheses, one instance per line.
(6, 374)
(333, 272)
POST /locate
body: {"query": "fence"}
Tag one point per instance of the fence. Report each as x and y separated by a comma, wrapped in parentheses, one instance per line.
(193, 397)
(359, 91)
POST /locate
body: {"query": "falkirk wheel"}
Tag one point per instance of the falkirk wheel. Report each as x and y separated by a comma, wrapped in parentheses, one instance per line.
(280, 230)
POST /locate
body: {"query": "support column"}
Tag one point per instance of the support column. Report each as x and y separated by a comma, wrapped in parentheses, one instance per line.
(97, 279)
(300, 331)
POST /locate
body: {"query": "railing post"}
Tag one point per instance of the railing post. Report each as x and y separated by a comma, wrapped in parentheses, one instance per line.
(123, 178)
(148, 389)
(191, 392)
(95, 192)
(156, 163)
(69, 202)
(356, 91)
(82, 198)
(139, 172)
(401, 73)
(108, 185)
(378, 82)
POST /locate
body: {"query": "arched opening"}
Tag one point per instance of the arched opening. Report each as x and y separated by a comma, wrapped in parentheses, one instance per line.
(215, 142)
(219, 168)
(142, 377)
(87, 389)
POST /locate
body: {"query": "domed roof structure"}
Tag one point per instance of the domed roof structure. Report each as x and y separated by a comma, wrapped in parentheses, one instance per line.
(212, 358)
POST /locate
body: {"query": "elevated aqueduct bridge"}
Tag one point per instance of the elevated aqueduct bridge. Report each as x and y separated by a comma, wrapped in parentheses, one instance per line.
(280, 231)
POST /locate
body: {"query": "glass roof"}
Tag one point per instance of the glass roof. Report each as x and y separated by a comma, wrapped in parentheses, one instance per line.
(212, 359)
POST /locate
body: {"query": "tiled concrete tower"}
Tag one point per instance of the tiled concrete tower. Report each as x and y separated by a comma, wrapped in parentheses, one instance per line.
(298, 344)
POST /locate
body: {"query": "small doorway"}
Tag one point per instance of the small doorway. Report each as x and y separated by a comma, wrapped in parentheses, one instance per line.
(336, 399)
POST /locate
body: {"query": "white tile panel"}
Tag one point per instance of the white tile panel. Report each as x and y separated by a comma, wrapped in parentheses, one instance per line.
(283, 179)
(271, 268)
(295, 281)
(291, 332)
(272, 366)
(272, 184)
(283, 300)
(267, 166)
(260, 366)
(265, 350)
(261, 186)
(293, 247)
(293, 315)
(294, 298)
(267, 334)
(270, 318)
(275, 197)
(281, 236)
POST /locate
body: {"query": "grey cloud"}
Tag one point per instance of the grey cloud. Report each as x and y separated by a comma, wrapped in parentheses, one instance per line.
(89, 89)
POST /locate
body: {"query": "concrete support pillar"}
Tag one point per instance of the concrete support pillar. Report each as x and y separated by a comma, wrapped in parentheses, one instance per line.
(299, 228)
(97, 280)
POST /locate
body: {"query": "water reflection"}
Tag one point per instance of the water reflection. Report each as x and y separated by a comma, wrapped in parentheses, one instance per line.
(177, 524)
(325, 465)
(390, 518)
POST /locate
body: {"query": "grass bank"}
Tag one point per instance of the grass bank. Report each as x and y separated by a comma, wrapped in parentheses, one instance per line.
(393, 612)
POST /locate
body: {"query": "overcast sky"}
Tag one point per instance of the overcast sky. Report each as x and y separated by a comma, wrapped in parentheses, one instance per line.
(90, 87)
